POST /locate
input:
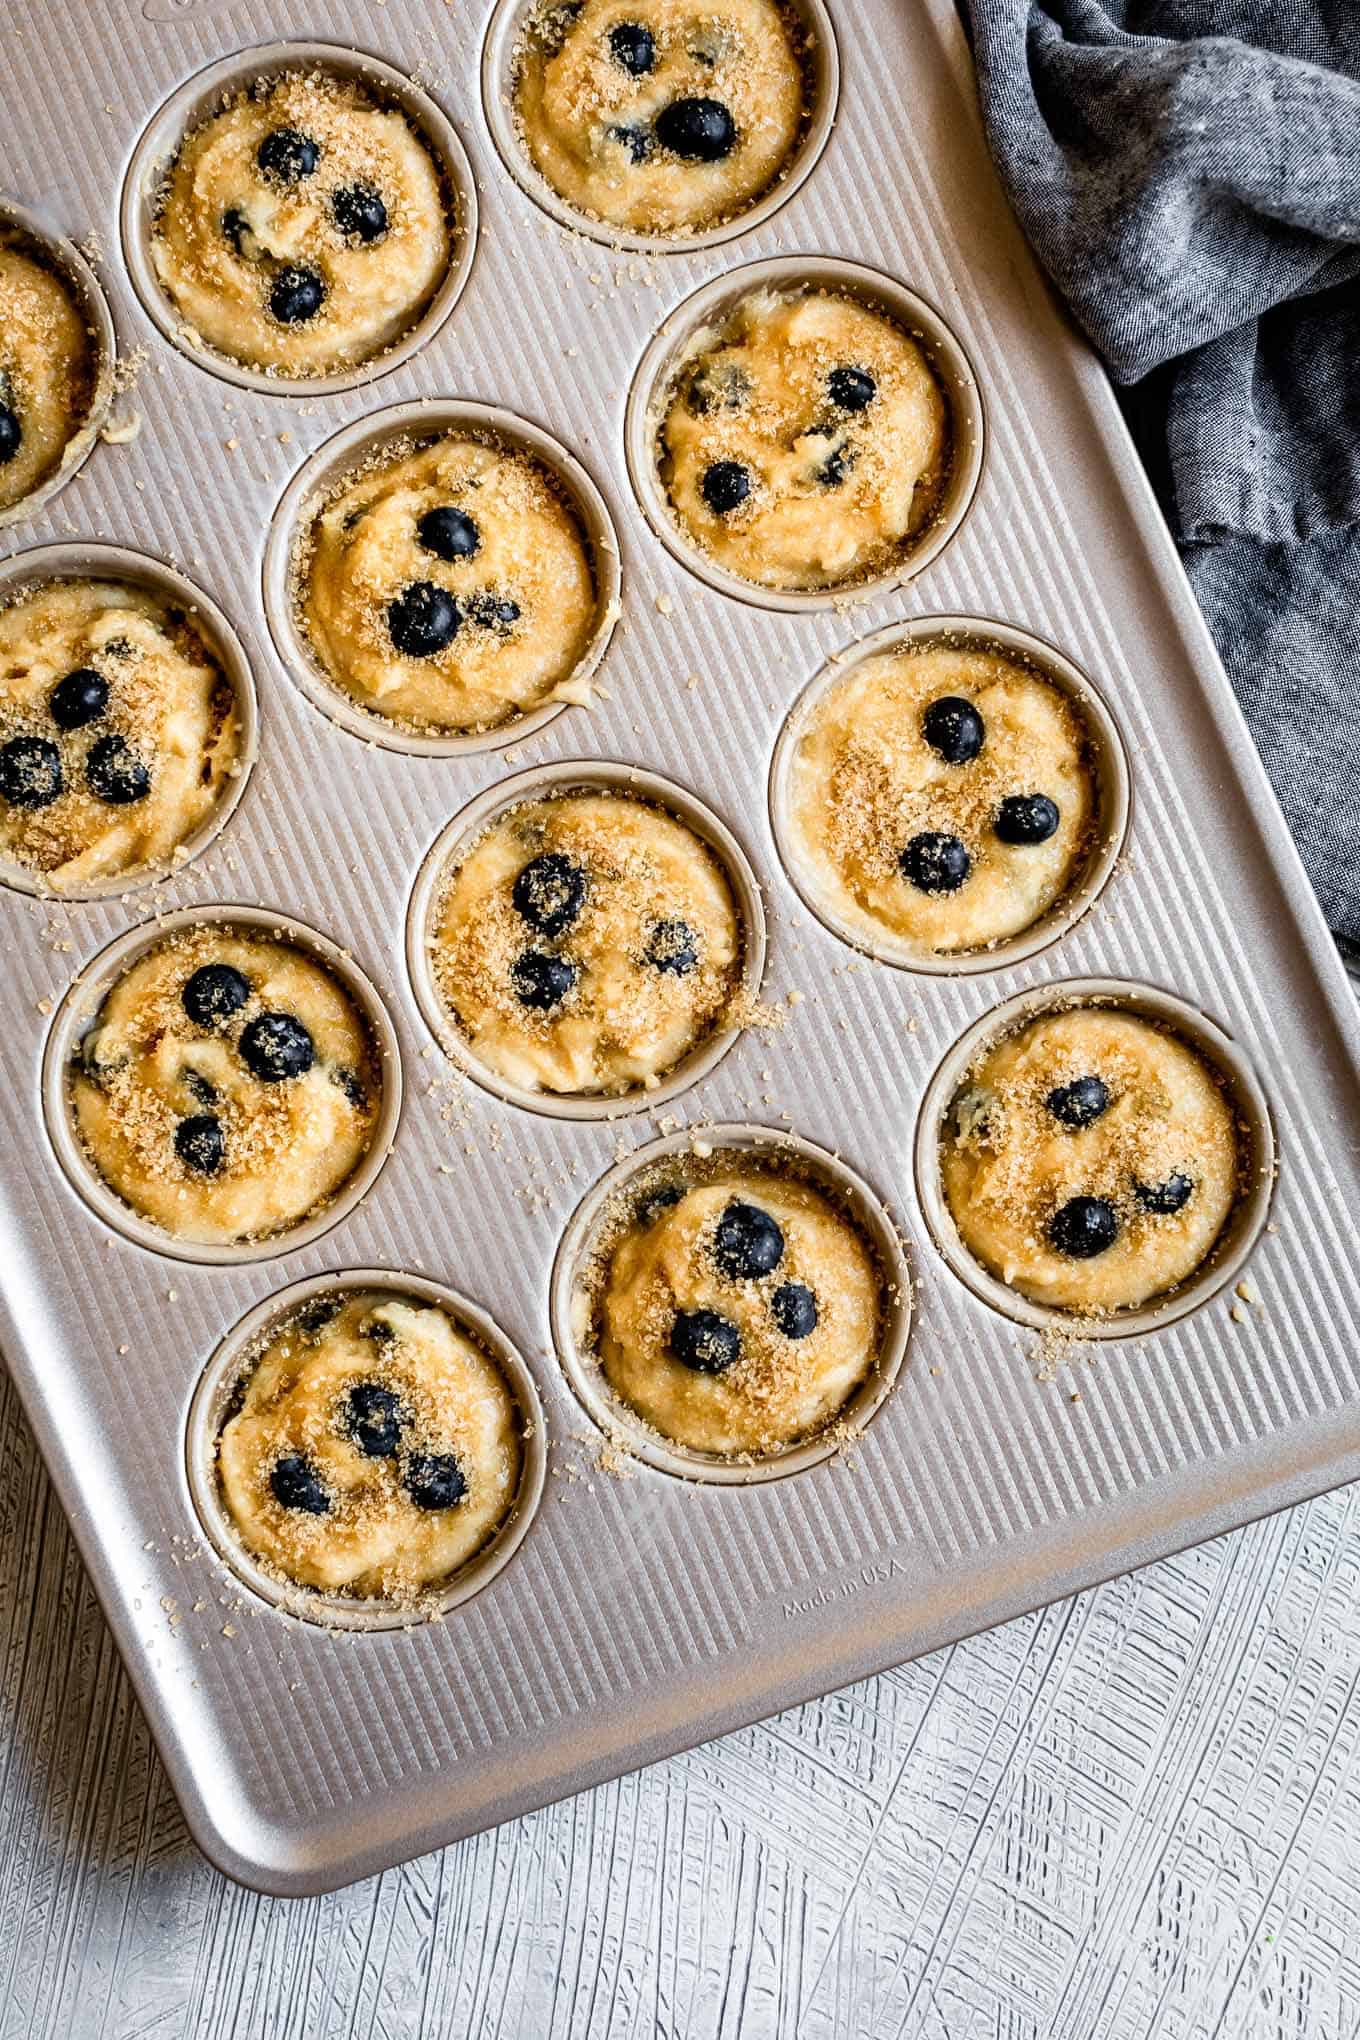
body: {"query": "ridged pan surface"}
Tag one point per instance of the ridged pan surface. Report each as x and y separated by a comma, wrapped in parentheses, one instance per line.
(644, 1613)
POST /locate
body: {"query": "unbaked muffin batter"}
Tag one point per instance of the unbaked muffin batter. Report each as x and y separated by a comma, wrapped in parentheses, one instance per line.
(303, 228)
(118, 731)
(228, 1086)
(374, 1449)
(47, 370)
(805, 441)
(1091, 1160)
(587, 944)
(664, 116)
(738, 1312)
(941, 798)
(449, 587)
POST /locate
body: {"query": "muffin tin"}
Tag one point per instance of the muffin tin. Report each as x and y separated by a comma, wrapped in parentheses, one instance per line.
(21, 225)
(646, 1606)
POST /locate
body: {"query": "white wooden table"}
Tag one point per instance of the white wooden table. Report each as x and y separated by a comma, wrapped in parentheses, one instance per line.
(1135, 1814)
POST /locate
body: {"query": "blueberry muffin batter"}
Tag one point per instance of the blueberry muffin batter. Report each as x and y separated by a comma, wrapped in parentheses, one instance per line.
(661, 116)
(449, 587)
(303, 228)
(738, 1312)
(805, 440)
(943, 798)
(47, 370)
(118, 731)
(1091, 1160)
(374, 1448)
(228, 1086)
(587, 944)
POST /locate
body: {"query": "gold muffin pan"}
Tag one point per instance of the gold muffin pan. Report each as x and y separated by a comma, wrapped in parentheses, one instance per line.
(621, 1617)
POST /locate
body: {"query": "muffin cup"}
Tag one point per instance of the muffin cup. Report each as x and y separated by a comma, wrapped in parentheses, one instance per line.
(350, 449)
(1256, 1143)
(62, 256)
(569, 1303)
(508, 21)
(78, 1010)
(654, 378)
(1112, 779)
(81, 561)
(211, 1402)
(552, 781)
(209, 90)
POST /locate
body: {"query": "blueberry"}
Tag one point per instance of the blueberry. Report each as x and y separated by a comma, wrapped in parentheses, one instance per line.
(1164, 1200)
(213, 993)
(11, 434)
(851, 389)
(492, 612)
(705, 1341)
(434, 1480)
(935, 863)
(836, 467)
(700, 130)
(314, 1317)
(359, 212)
(550, 892)
(1026, 818)
(653, 1202)
(350, 1082)
(725, 486)
(1079, 1103)
(953, 727)
(296, 295)
(632, 48)
(235, 227)
(717, 386)
(673, 947)
(794, 1309)
(422, 620)
(30, 772)
(379, 1330)
(296, 1484)
(275, 1046)
(636, 140)
(373, 1419)
(287, 155)
(1083, 1228)
(748, 1243)
(80, 698)
(197, 1085)
(199, 1143)
(114, 773)
(448, 533)
(541, 982)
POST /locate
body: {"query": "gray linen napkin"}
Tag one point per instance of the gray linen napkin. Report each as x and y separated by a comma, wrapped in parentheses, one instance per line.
(1188, 171)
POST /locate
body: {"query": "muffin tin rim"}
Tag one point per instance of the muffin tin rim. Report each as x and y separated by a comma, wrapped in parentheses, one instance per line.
(497, 70)
(75, 560)
(555, 780)
(614, 1418)
(1258, 1154)
(88, 986)
(302, 497)
(877, 289)
(226, 1367)
(78, 271)
(193, 98)
(1113, 781)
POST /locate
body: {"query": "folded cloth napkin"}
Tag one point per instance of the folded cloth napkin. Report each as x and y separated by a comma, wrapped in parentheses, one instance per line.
(1188, 172)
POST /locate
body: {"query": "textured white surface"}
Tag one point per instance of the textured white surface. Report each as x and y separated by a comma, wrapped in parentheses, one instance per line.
(1134, 1815)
